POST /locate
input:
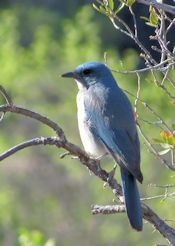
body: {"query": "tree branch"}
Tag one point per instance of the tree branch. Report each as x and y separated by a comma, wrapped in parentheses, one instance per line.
(26, 112)
(60, 141)
(32, 142)
(167, 8)
(6, 95)
(148, 214)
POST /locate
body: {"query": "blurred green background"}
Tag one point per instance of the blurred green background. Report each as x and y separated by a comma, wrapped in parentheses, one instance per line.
(45, 200)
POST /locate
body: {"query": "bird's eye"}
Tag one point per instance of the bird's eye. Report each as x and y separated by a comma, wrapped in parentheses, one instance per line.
(87, 71)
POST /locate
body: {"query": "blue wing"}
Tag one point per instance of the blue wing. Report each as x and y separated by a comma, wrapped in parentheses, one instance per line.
(111, 120)
(114, 124)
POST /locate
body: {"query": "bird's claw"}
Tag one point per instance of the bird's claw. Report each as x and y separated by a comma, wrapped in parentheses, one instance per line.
(111, 173)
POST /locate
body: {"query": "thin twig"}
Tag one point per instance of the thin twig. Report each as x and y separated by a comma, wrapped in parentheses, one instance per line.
(135, 22)
(172, 22)
(33, 115)
(156, 67)
(119, 28)
(6, 95)
(162, 86)
(2, 116)
(32, 142)
(138, 94)
(164, 196)
(167, 8)
(154, 151)
(148, 214)
(162, 36)
(167, 186)
(132, 36)
(159, 119)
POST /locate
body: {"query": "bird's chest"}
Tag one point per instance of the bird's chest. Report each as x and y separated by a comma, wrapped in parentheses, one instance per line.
(85, 115)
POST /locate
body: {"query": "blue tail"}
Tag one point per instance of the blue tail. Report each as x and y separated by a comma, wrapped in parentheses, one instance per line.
(132, 200)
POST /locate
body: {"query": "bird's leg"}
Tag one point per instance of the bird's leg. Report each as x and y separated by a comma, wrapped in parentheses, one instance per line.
(98, 158)
(112, 173)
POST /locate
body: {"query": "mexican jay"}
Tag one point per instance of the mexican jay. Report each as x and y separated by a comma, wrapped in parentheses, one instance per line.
(107, 126)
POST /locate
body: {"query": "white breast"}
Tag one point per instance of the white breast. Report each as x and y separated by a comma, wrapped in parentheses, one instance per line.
(92, 145)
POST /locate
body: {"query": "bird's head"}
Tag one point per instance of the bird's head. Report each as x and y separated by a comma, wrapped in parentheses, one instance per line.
(90, 73)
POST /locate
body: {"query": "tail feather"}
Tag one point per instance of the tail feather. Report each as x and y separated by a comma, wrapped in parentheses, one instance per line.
(132, 200)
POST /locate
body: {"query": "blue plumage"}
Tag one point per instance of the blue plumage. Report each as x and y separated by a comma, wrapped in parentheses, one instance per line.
(107, 126)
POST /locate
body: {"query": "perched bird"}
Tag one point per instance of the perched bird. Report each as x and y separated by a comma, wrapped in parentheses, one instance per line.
(107, 126)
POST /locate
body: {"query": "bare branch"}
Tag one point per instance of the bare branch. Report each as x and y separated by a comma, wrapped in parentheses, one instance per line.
(154, 151)
(163, 186)
(33, 115)
(138, 94)
(161, 85)
(148, 214)
(2, 116)
(61, 141)
(163, 196)
(32, 142)
(93, 165)
(167, 8)
(108, 209)
(6, 95)
(162, 35)
(157, 116)
(172, 22)
(157, 222)
(135, 23)
(156, 67)
(130, 33)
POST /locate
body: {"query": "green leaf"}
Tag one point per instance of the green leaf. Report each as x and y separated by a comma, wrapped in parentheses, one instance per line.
(100, 9)
(163, 152)
(144, 18)
(153, 18)
(129, 3)
(111, 4)
(173, 126)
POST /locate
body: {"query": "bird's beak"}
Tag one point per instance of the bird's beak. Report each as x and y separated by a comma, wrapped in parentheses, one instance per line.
(69, 75)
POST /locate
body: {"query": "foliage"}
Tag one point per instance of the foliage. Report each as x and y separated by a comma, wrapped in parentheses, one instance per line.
(33, 238)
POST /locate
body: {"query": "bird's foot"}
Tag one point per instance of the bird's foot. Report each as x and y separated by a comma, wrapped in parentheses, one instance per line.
(112, 173)
(98, 158)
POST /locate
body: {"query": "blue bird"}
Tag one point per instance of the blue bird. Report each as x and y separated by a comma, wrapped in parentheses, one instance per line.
(107, 126)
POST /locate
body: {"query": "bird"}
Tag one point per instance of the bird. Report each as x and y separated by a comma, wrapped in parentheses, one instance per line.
(107, 126)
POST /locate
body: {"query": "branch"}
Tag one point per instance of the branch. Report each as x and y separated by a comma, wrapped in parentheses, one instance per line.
(60, 141)
(6, 95)
(152, 149)
(148, 214)
(26, 112)
(149, 59)
(165, 7)
(32, 142)
(151, 110)
(156, 67)
(164, 196)
(108, 209)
